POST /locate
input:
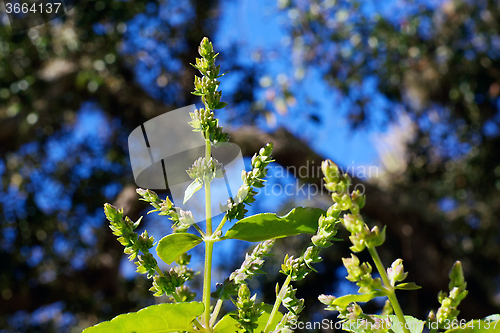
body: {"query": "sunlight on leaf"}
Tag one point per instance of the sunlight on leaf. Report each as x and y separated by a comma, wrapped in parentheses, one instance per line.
(167, 317)
(194, 187)
(347, 299)
(173, 246)
(407, 286)
(260, 227)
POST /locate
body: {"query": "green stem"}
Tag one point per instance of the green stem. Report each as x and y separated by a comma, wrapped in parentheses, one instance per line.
(158, 270)
(221, 224)
(202, 233)
(208, 200)
(209, 245)
(391, 293)
(380, 268)
(277, 303)
(177, 298)
(213, 318)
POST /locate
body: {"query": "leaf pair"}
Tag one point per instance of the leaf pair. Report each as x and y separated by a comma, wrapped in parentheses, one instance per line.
(254, 228)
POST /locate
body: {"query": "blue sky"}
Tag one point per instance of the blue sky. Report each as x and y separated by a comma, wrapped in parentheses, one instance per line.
(259, 25)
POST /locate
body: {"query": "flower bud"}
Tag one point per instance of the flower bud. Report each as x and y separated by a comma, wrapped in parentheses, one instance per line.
(332, 187)
(326, 299)
(184, 259)
(296, 268)
(242, 194)
(144, 242)
(358, 199)
(374, 237)
(320, 241)
(312, 256)
(441, 296)
(185, 294)
(353, 223)
(146, 264)
(358, 242)
(334, 211)
(322, 222)
(253, 262)
(352, 266)
(148, 195)
(244, 292)
(206, 49)
(454, 293)
(113, 214)
(330, 171)
(141, 192)
(457, 276)
(266, 150)
(396, 272)
(186, 217)
(355, 311)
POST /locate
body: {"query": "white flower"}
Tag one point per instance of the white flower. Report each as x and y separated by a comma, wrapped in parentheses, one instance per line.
(186, 217)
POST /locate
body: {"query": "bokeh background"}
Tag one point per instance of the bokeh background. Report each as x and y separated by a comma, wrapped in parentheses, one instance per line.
(410, 88)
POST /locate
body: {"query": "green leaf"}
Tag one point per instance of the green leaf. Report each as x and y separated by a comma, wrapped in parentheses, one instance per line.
(173, 246)
(229, 325)
(407, 286)
(226, 325)
(194, 187)
(347, 299)
(476, 326)
(262, 321)
(413, 324)
(166, 317)
(221, 105)
(266, 226)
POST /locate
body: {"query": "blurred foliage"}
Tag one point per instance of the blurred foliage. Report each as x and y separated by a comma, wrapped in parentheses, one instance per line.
(436, 65)
(70, 93)
(118, 63)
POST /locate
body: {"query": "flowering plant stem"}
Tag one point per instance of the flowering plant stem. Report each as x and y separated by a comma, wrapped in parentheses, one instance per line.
(391, 293)
(209, 246)
(214, 315)
(221, 224)
(277, 303)
(187, 315)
